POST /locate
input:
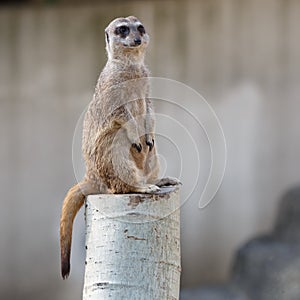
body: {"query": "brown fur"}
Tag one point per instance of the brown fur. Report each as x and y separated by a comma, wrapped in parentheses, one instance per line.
(118, 121)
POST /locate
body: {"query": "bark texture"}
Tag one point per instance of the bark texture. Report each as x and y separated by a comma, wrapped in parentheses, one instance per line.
(133, 246)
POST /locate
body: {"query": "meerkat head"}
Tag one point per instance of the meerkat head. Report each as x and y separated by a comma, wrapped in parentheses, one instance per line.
(126, 37)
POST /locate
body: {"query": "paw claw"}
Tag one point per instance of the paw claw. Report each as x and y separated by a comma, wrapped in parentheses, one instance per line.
(168, 181)
(138, 147)
(150, 144)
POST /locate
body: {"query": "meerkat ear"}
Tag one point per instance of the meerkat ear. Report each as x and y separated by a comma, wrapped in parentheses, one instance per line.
(107, 37)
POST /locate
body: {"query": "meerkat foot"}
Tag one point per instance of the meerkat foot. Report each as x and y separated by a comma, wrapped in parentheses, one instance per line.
(148, 189)
(167, 181)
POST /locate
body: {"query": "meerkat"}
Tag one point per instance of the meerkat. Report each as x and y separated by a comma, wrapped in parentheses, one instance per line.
(118, 142)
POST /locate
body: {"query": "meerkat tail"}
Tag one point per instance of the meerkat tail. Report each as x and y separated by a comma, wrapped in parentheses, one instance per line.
(72, 203)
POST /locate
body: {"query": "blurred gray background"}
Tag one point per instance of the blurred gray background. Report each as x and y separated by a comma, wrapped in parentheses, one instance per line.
(242, 56)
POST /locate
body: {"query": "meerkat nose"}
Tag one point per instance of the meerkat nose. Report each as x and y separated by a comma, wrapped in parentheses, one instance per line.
(137, 41)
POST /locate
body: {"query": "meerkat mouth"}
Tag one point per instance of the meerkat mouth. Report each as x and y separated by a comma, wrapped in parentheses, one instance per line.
(132, 46)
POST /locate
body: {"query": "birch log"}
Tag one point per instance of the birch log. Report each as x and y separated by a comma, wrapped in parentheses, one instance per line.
(133, 246)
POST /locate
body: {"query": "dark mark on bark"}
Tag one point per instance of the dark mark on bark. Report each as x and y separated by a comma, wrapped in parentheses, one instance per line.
(164, 193)
(102, 283)
(132, 236)
(135, 201)
(135, 238)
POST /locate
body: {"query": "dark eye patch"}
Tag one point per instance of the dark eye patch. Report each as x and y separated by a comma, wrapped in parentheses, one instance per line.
(141, 29)
(122, 30)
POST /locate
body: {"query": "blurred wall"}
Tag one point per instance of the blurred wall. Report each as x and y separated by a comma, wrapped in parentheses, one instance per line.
(242, 56)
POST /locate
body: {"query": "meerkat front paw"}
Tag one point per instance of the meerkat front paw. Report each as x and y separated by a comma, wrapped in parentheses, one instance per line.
(167, 181)
(138, 146)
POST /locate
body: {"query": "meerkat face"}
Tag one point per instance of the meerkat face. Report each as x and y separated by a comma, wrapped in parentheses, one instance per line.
(125, 35)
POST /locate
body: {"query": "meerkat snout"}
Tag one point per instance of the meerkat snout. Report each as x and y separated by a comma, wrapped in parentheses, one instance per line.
(137, 41)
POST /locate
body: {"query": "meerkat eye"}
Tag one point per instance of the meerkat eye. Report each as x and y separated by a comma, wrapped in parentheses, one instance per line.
(141, 29)
(122, 30)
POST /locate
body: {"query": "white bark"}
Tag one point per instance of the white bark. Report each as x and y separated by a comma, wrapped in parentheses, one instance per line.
(133, 246)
